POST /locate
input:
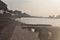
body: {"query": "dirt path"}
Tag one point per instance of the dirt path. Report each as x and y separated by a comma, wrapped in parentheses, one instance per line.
(23, 34)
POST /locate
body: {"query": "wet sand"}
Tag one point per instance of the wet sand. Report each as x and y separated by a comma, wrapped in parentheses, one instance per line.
(23, 34)
(6, 33)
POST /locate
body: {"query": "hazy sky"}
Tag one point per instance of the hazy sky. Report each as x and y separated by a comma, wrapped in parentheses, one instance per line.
(35, 7)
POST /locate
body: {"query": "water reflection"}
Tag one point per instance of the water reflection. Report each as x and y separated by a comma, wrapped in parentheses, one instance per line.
(53, 22)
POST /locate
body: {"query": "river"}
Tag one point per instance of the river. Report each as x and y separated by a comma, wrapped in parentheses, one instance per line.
(51, 21)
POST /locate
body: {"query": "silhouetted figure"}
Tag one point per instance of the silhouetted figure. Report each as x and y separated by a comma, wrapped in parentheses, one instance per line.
(3, 15)
(6, 22)
(44, 34)
(4, 19)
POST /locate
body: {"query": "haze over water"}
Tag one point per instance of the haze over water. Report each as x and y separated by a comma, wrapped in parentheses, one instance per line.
(53, 22)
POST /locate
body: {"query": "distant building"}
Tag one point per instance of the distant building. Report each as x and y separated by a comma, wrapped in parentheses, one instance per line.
(58, 16)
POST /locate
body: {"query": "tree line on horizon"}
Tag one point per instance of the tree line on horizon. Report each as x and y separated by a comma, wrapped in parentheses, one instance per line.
(19, 14)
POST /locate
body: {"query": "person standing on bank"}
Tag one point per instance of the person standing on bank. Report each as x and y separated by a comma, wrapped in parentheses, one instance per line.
(6, 23)
(44, 34)
(3, 9)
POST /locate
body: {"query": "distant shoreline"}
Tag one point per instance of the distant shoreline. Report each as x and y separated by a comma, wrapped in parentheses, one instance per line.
(42, 17)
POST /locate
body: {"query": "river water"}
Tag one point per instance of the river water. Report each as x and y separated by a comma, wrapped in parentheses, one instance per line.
(51, 21)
